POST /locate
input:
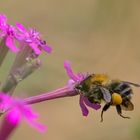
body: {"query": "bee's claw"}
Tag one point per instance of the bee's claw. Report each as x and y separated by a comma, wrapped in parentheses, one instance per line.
(125, 117)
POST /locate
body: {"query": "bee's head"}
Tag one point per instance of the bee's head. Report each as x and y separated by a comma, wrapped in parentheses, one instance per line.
(78, 87)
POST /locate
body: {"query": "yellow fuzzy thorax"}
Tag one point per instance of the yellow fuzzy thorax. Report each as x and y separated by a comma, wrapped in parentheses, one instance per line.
(116, 99)
(100, 78)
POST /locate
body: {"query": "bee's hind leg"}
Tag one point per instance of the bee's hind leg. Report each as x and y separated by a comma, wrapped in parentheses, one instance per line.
(119, 111)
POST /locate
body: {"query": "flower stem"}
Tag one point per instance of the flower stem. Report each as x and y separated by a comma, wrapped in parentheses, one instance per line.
(19, 74)
(62, 92)
(21, 57)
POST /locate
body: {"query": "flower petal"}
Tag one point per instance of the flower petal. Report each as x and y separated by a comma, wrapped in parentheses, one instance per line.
(35, 48)
(83, 106)
(21, 28)
(33, 123)
(10, 122)
(31, 117)
(69, 71)
(71, 84)
(11, 45)
(92, 105)
(18, 110)
(47, 48)
(3, 20)
(5, 101)
(14, 116)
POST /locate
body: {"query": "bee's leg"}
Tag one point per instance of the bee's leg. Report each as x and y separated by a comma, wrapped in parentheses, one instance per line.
(105, 108)
(119, 111)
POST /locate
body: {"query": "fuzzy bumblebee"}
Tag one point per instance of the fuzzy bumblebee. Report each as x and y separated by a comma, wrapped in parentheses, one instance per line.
(98, 87)
(121, 94)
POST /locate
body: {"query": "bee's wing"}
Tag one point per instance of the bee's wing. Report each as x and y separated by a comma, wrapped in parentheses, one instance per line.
(127, 106)
(106, 94)
(134, 84)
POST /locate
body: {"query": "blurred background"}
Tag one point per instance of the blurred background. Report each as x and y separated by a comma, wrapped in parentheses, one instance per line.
(100, 36)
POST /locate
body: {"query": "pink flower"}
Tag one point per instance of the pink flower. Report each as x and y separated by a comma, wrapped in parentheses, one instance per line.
(75, 79)
(8, 33)
(9, 124)
(16, 111)
(32, 38)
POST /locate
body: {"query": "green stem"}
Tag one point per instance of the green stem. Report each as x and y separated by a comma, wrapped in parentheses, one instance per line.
(20, 59)
(20, 74)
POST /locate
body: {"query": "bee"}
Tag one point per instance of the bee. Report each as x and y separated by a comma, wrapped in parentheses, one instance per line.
(98, 87)
(121, 94)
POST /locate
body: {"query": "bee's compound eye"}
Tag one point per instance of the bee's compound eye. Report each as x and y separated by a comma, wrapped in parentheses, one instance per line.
(116, 99)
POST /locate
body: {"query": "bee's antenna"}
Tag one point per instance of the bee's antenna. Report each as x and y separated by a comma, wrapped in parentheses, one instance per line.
(134, 84)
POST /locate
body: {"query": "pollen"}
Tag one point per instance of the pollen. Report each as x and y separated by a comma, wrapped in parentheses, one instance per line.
(100, 78)
(116, 99)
